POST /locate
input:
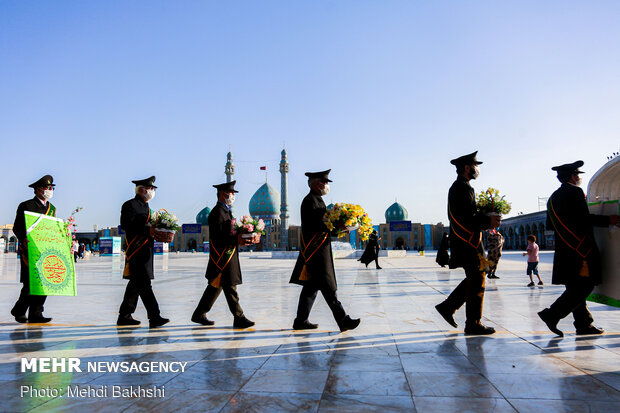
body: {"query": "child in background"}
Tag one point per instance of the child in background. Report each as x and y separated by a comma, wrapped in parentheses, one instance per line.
(532, 259)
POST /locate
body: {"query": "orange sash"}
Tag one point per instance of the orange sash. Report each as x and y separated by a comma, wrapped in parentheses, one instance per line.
(228, 252)
(315, 243)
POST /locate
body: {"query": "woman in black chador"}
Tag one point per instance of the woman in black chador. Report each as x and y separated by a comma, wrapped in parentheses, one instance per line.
(443, 257)
(371, 253)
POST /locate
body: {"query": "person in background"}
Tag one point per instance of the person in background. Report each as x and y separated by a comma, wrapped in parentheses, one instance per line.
(532, 259)
(371, 253)
(495, 243)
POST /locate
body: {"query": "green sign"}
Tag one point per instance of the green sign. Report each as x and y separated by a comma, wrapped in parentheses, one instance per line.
(52, 270)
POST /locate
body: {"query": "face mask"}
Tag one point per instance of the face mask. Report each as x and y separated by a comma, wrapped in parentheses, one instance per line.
(325, 190)
(149, 194)
(474, 172)
(578, 181)
(48, 194)
(230, 199)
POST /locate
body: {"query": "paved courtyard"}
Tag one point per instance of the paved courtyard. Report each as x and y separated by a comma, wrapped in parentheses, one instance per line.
(403, 356)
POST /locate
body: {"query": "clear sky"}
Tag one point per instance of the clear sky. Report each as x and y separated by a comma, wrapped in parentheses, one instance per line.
(385, 93)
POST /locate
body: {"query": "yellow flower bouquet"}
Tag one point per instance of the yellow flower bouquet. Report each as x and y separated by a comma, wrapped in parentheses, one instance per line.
(342, 218)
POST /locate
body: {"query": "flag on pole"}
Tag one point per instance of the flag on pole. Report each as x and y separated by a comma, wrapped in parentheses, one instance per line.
(51, 265)
(263, 168)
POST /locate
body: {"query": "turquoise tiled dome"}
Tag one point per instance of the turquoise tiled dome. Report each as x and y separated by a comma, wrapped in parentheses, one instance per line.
(265, 202)
(203, 216)
(330, 206)
(396, 212)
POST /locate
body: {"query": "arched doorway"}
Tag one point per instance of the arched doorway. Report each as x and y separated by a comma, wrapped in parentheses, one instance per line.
(399, 243)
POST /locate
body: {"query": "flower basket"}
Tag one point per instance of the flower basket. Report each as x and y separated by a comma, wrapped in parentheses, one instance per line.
(490, 203)
(164, 235)
(344, 218)
(165, 224)
(249, 228)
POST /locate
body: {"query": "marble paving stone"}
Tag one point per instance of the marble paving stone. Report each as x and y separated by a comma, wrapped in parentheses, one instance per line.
(567, 387)
(204, 377)
(94, 405)
(541, 364)
(451, 385)
(367, 383)
(348, 403)
(364, 362)
(247, 402)
(300, 361)
(433, 363)
(294, 381)
(562, 406)
(462, 405)
(183, 401)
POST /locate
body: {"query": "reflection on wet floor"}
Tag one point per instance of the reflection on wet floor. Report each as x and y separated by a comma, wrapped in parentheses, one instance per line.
(402, 356)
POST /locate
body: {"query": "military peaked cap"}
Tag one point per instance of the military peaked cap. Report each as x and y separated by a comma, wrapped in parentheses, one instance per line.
(466, 160)
(226, 186)
(572, 168)
(145, 182)
(320, 175)
(47, 180)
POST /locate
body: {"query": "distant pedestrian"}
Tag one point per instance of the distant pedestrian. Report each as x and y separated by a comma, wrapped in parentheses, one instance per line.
(495, 243)
(443, 257)
(371, 253)
(532, 259)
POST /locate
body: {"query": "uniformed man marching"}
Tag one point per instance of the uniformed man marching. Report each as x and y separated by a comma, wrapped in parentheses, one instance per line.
(466, 249)
(314, 269)
(135, 217)
(43, 192)
(223, 270)
(576, 262)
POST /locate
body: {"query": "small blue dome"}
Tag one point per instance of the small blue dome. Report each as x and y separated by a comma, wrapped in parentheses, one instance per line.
(330, 206)
(203, 216)
(396, 212)
(265, 202)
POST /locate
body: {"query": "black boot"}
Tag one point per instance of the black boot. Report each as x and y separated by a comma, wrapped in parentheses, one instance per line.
(126, 320)
(39, 319)
(202, 319)
(20, 318)
(478, 329)
(348, 323)
(242, 322)
(446, 314)
(304, 325)
(589, 330)
(552, 323)
(158, 322)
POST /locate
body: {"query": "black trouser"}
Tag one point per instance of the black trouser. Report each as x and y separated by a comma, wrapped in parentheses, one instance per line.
(573, 300)
(469, 292)
(307, 297)
(27, 301)
(139, 286)
(210, 295)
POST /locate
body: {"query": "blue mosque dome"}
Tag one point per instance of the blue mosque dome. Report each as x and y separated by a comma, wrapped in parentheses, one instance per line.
(203, 216)
(265, 202)
(330, 206)
(396, 212)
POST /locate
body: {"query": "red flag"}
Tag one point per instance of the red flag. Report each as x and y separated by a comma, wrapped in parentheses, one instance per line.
(263, 168)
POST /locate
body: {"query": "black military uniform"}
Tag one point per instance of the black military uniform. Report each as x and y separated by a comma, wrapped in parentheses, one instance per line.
(223, 270)
(26, 301)
(135, 216)
(371, 253)
(314, 269)
(466, 251)
(576, 262)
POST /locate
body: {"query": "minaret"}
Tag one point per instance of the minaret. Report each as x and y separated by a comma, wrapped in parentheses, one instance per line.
(284, 201)
(229, 170)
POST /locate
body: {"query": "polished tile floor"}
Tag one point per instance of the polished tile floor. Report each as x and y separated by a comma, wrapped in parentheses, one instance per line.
(402, 358)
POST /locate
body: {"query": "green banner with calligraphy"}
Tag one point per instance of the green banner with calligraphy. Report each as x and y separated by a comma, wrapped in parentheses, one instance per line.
(52, 269)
